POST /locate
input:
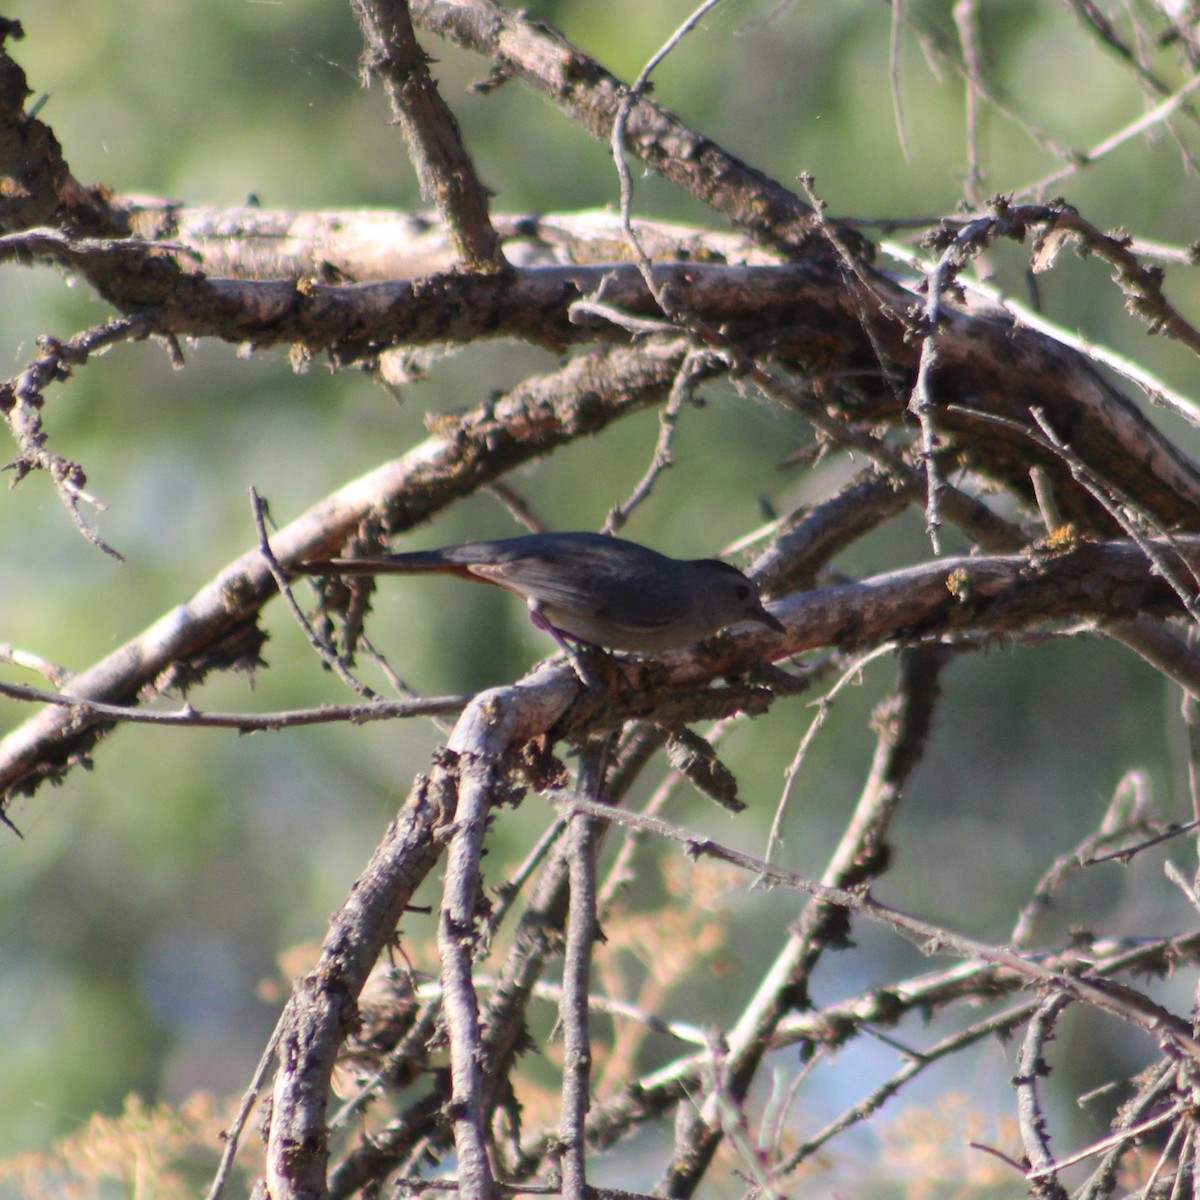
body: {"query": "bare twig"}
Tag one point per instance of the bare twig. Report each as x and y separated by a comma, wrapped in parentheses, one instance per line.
(1154, 642)
(1117, 504)
(837, 1024)
(582, 930)
(1120, 506)
(643, 739)
(1031, 1117)
(859, 855)
(682, 392)
(1120, 1140)
(543, 58)
(929, 938)
(1002, 1024)
(234, 1133)
(1123, 818)
(1134, 129)
(333, 661)
(1092, 17)
(1155, 1088)
(894, 28)
(966, 22)
(59, 676)
(21, 401)
(851, 675)
(189, 717)
(1190, 711)
(1126, 853)
(517, 505)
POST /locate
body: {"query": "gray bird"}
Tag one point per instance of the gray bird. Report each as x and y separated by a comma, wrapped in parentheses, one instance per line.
(589, 587)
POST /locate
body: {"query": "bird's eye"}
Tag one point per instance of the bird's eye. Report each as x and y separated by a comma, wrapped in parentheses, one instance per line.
(743, 591)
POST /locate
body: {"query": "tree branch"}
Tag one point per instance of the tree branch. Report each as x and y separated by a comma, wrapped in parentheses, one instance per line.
(444, 168)
(540, 56)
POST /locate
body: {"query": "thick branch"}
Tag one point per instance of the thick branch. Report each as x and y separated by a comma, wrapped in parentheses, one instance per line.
(479, 771)
(444, 168)
(360, 320)
(803, 314)
(322, 1010)
(994, 595)
(376, 245)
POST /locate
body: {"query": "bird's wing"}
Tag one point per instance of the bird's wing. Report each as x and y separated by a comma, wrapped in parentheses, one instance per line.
(591, 585)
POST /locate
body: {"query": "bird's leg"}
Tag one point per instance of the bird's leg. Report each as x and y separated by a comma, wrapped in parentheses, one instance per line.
(574, 657)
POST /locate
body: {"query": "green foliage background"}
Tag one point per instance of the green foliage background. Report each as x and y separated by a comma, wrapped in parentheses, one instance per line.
(150, 895)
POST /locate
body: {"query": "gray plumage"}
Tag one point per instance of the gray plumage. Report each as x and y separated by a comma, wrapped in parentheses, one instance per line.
(596, 589)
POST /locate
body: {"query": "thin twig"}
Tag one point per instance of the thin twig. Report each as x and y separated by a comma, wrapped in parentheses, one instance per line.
(966, 22)
(832, 1027)
(620, 873)
(852, 674)
(1002, 1024)
(631, 96)
(926, 936)
(1030, 1115)
(1190, 711)
(333, 661)
(510, 890)
(21, 401)
(682, 391)
(233, 1134)
(582, 930)
(1121, 820)
(1157, 1084)
(190, 717)
(857, 858)
(894, 26)
(516, 504)
(1125, 853)
(1122, 1137)
(1134, 129)
(1112, 499)
(59, 676)
(1116, 503)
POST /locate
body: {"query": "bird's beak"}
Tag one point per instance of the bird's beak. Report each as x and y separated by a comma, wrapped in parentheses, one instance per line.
(765, 618)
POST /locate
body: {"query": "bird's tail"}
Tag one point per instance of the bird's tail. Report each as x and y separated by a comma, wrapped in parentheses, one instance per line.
(386, 564)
